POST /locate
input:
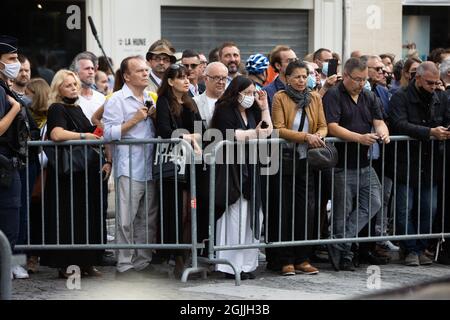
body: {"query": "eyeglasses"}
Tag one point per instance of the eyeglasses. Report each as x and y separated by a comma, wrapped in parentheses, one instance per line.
(204, 62)
(161, 58)
(217, 78)
(292, 60)
(192, 65)
(359, 80)
(377, 69)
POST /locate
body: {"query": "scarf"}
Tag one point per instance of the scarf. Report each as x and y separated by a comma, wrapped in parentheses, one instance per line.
(302, 99)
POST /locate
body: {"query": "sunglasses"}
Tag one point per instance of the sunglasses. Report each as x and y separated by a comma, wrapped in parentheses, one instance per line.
(431, 83)
(192, 65)
(377, 69)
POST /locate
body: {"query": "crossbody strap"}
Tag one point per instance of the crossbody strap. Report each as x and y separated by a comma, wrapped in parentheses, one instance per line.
(302, 120)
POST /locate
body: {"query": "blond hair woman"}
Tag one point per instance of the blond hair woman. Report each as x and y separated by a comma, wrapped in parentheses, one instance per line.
(80, 223)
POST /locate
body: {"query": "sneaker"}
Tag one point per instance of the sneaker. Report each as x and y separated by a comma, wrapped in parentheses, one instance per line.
(244, 276)
(389, 246)
(424, 260)
(90, 272)
(412, 260)
(429, 254)
(305, 268)
(373, 258)
(288, 270)
(346, 265)
(250, 275)
(19, 272)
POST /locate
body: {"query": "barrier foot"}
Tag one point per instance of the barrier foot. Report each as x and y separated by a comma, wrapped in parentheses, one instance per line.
(237, 275)
(188, 271)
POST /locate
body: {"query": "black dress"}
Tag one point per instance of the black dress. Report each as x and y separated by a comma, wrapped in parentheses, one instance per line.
(58, 218)
(244, 177)
(172, 195)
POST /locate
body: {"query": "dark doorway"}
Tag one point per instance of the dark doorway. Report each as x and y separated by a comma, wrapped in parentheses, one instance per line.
(439, 23)
(44, 34)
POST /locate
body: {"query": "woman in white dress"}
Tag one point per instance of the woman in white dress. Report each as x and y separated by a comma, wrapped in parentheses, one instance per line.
(242, 113)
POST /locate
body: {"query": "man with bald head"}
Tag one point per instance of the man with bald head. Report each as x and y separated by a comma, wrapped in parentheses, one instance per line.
(215, 80)
(216, 74)
(420, 112)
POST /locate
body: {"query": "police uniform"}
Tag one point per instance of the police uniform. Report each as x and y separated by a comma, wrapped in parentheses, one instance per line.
(10, 186)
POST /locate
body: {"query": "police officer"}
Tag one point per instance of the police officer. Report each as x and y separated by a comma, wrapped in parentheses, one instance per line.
(12, 141)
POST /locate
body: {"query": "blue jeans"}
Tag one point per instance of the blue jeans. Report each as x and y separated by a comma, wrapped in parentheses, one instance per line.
(347, 219)
(9, 209)
(408, 214)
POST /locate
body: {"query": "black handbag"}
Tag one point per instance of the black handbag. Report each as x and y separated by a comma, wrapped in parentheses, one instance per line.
(75, 160)
(170, 161)
(323, 158)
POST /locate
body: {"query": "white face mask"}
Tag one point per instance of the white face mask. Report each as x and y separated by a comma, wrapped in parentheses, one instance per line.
(246, 101)
(11, 70)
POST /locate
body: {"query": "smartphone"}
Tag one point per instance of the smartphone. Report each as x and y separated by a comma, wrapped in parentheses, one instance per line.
(264, 125)
(151, 108)
(332, 67)
(98, 132)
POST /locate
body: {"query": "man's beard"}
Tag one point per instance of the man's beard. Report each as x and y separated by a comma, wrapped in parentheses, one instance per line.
(21, 83)
(233, 68)
(87, 84)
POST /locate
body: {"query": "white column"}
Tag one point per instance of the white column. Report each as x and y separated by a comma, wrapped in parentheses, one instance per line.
(328, 25)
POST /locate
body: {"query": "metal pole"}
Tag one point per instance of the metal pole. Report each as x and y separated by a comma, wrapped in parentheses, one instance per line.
(5, 268)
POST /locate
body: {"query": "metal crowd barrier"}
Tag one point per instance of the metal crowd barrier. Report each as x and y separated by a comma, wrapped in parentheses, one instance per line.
(5, 268)
(72, 244)
(277, 145)
(272, 148)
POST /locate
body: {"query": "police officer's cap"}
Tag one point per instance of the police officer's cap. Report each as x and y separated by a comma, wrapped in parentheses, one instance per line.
(8, 44)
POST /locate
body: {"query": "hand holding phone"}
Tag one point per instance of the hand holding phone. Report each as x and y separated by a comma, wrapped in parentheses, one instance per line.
(264, 125)
(98, 132)
(332, 67)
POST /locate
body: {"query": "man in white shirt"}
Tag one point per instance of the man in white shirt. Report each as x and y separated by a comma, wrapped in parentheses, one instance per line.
(89, 99)
(215, 80)
(126, 117)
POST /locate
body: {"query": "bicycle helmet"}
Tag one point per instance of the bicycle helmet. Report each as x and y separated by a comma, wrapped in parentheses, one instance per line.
(256, 64)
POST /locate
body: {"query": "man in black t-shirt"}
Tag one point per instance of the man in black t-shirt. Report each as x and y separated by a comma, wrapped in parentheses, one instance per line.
(351, 114)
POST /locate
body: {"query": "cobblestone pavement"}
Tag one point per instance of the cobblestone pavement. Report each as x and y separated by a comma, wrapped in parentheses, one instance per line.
(160, 284)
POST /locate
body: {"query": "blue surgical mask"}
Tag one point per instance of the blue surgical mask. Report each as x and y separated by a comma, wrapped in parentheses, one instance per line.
(325, 69)
(11, 70)
(367, 86)
(311, 82)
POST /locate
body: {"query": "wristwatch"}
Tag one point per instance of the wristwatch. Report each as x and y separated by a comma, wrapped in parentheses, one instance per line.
(82, 136)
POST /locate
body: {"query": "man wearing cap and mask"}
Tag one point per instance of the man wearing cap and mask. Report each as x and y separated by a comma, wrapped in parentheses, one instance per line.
(12, 146)
(159, 57)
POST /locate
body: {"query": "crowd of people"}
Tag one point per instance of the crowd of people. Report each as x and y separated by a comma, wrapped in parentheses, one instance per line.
(378, 187)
